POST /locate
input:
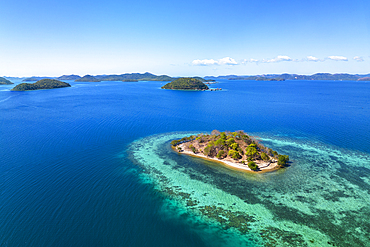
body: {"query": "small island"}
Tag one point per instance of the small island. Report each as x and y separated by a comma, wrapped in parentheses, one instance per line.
(87, 78)
(233, 149)
(4, 81)
(186, 83)
(41, 84)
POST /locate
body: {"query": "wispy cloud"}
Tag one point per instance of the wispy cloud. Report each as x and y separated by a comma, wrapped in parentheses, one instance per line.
(338, 58)
(312, 59)
(279, 59)
(273, 60)
(358, 59)
(222, 61)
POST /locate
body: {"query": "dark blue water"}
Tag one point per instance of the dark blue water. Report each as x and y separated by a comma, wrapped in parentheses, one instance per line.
(66, 178)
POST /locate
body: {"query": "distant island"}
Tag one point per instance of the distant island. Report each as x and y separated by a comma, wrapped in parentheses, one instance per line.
(130, 80)
(42, 84)
(125, 77)
(364, 79)
(87, 78)
(186, 83)
(233, 149)
(68, 77)
(317, 76)
(36, 78)
(4, 81)
(257, 78)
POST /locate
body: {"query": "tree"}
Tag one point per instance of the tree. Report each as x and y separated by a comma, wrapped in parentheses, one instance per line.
(252, 165)
(234, 154)
(230, 141)
(265, 156)
(221, 154)
(283, 159)
(193, 148)
(234, 146)
(251, 150)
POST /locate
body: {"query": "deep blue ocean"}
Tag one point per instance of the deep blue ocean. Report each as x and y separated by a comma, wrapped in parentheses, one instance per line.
(91, 165)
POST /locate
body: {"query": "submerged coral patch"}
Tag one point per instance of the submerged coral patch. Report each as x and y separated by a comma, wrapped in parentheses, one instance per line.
(316, 202)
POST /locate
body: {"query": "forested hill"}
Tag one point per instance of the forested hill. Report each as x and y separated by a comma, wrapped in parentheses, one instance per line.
(4, 81)
(42, 84)
(186, 83)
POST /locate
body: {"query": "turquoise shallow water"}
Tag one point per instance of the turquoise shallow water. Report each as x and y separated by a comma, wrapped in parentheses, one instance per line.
(91, 165)
(310, 203)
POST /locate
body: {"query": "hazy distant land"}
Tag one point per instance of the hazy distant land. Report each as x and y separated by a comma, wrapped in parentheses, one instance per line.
(132, 77)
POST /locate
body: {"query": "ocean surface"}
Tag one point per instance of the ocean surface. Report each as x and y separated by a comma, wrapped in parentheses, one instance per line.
(91, 165)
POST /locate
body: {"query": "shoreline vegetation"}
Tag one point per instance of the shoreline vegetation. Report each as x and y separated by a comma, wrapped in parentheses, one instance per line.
(4, 81)
(186, 83)
(233, 149)
(41, 84)
(190, 83)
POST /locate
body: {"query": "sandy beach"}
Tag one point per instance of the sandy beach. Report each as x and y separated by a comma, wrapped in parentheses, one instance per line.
(263, 165)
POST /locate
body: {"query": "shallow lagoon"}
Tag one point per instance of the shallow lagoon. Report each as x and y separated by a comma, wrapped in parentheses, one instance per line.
(91, 165)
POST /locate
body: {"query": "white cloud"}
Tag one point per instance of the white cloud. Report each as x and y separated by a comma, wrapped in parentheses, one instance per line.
(227, 61)
(338, 58)
(204, 62)
(251, 60)
(279, 59)
(222, 61)
(358, 59)
(312, 58)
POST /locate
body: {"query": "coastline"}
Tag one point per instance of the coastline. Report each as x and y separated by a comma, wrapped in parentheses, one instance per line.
(263, 166)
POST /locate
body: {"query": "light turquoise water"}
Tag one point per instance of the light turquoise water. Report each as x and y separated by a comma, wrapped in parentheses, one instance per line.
(313, 202)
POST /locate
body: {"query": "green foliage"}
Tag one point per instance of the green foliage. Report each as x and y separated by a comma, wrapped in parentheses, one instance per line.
(251, 150)
(220, 142)
(234, 146)
(221, 154)
(265, 156)
(207, 150)
(186, 83)
(42, 84)
(252, 165)
(4, 81)
(230, 141)
(234, 154)
(193, 148)
(283, 159)
(223, 135)
(240, 150)
(175, 142)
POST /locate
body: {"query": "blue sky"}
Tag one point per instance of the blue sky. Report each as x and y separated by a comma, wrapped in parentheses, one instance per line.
(183, 38)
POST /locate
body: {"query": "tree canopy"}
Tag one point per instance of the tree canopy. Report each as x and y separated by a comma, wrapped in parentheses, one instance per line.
(186, 83)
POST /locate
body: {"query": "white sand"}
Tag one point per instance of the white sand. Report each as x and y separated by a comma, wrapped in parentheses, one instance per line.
(262, 165)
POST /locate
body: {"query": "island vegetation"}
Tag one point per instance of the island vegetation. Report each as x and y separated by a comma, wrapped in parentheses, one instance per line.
(236, 149)
(128, 77)
(4, 81)
(69, 77)
(42, 84)
(130, 80)
(186, 83)
(88, 78)
(257, 78)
